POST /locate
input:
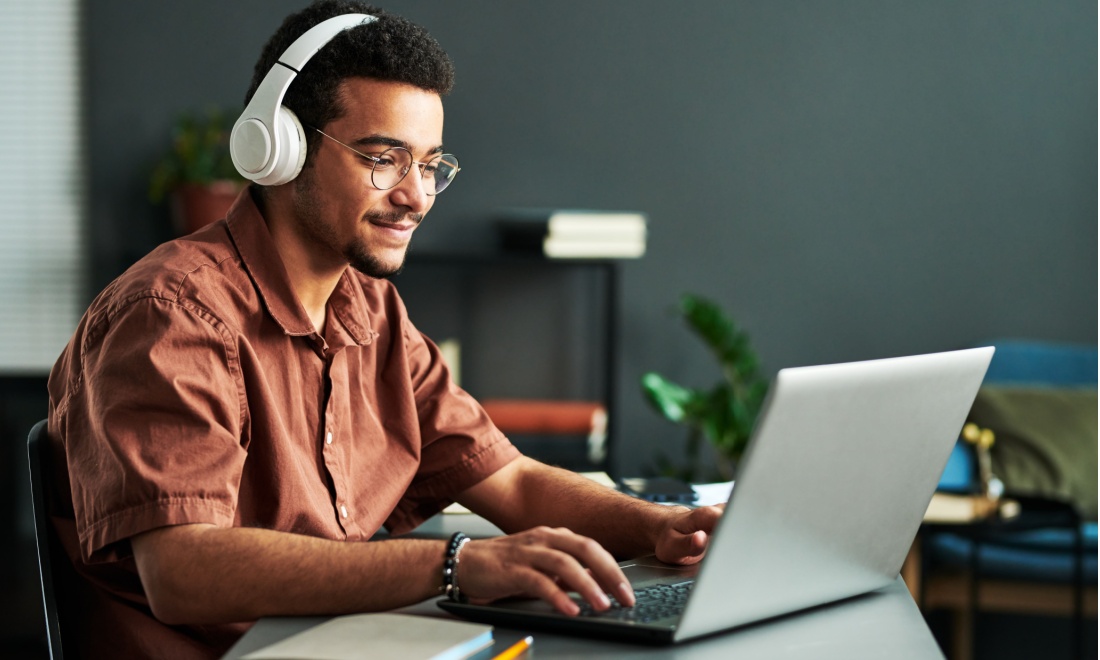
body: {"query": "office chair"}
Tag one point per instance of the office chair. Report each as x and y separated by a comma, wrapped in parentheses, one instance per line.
(1044, 561)
(55, 571)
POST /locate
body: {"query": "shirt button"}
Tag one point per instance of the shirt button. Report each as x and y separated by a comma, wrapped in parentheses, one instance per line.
(343, 511)
(328, 438)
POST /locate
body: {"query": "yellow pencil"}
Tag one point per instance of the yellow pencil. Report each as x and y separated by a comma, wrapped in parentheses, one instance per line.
(517, 649)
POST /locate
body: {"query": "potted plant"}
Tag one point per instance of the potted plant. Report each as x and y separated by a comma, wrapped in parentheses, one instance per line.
(197, 173)
(726, 412)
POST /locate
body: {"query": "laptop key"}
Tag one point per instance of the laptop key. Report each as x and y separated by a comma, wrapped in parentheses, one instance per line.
(650, 604)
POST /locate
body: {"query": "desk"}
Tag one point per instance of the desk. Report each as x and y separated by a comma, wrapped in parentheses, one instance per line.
(882, 624)
(442, 525)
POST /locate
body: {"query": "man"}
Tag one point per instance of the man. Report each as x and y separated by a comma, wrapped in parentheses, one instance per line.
(241, 411)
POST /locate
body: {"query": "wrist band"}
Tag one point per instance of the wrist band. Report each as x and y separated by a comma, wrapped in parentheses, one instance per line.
(450, 567)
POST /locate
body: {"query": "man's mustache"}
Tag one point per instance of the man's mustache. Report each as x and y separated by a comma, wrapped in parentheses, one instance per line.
(393, 218)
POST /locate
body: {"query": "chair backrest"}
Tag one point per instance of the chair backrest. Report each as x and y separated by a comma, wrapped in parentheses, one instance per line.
(49, 545)
(1023, 362)
(1018, 362)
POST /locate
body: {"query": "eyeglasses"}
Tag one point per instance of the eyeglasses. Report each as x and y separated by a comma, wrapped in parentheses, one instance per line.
(390, 167)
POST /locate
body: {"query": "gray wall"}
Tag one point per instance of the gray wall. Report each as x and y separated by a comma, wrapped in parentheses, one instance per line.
(851, 179)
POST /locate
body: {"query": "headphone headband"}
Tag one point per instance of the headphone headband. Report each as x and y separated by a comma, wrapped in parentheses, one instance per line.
(267, 143)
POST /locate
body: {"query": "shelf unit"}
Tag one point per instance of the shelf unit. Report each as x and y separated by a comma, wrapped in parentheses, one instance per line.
(561, 310)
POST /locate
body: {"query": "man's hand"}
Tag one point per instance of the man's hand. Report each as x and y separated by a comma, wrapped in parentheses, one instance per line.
(543, 563)
(685, 537)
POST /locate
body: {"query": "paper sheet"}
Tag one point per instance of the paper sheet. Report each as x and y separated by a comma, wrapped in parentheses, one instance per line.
(710, 494)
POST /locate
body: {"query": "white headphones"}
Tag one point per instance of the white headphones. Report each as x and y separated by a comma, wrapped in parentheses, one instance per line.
(268, 144)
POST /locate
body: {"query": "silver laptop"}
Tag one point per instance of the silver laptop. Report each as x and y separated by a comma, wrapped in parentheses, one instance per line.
(828, 498)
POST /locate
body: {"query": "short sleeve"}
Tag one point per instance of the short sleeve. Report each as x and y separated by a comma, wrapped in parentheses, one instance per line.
(152, 433)
(460, 445)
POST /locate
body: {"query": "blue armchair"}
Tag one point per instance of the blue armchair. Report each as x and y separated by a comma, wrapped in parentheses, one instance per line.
(1044, 560)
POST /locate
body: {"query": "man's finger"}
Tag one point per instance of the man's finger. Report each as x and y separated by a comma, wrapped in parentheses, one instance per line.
(541, 586)
(702, 519)
(570, 575)
(606, 571)
(603, 575)
(546, 563)
(684, 548)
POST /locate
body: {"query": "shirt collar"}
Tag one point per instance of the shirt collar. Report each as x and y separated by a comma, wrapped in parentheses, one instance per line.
(262, 261)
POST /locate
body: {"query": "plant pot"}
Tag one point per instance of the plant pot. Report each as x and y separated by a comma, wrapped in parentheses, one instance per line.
(195, 205)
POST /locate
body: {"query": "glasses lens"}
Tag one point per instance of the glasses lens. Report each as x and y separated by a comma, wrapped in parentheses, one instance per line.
(444, 170)
(392, 166)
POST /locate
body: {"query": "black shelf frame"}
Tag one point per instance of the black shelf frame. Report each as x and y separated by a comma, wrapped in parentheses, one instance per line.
(611, 278)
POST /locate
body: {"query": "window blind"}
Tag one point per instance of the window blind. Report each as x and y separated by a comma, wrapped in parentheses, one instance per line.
(42, 251)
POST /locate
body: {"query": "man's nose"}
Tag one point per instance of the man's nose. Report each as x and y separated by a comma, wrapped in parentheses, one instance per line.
(412, 191)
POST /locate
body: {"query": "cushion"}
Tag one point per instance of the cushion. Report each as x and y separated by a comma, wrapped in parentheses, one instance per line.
(1045, 441)
(1043, 555)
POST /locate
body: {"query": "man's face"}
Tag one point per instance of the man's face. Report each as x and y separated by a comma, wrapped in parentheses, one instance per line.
(339, 211)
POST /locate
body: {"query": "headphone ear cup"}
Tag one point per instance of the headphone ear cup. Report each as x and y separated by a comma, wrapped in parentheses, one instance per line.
(291, 149)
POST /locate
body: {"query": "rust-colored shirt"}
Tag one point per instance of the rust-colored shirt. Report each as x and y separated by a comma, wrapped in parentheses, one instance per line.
(196, 390)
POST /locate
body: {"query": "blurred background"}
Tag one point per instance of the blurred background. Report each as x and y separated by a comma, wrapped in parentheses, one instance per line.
(848, 180)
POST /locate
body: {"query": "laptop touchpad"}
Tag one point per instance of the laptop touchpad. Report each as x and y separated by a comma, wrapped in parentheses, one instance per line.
(648, 569)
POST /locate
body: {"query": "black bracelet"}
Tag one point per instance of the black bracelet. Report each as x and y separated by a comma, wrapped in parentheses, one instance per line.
(450, 567)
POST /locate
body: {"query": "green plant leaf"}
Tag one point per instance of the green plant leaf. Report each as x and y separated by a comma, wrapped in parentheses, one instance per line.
(671, 400)
(726, 413)
(718, 331)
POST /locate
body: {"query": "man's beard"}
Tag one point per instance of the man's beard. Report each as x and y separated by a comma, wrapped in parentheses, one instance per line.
(363, 261)
(313, 227)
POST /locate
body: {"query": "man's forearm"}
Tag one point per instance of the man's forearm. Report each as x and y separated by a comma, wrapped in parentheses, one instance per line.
(534, 493)
(197, 574)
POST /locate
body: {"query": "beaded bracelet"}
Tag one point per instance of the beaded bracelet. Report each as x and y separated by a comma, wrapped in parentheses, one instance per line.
(450, 567)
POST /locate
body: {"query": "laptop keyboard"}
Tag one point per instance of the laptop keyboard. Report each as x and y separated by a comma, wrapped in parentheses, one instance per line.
(650, 604)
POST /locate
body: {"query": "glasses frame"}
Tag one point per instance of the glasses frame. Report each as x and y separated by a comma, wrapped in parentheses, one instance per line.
(375, 160)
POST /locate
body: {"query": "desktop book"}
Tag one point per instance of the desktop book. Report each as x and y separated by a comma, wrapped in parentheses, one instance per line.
(830, 493)
(381, 636)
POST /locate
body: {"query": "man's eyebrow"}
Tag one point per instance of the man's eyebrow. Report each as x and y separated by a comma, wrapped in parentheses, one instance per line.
(386, 141)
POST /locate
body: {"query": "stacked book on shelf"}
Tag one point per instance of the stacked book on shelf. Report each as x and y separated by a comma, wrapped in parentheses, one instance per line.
(574, 233)
(552, 418)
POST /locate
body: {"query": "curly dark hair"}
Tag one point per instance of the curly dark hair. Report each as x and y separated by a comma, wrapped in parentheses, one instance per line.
(391, 48)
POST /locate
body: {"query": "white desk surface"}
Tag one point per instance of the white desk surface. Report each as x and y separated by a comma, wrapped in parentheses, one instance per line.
(882, 624)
